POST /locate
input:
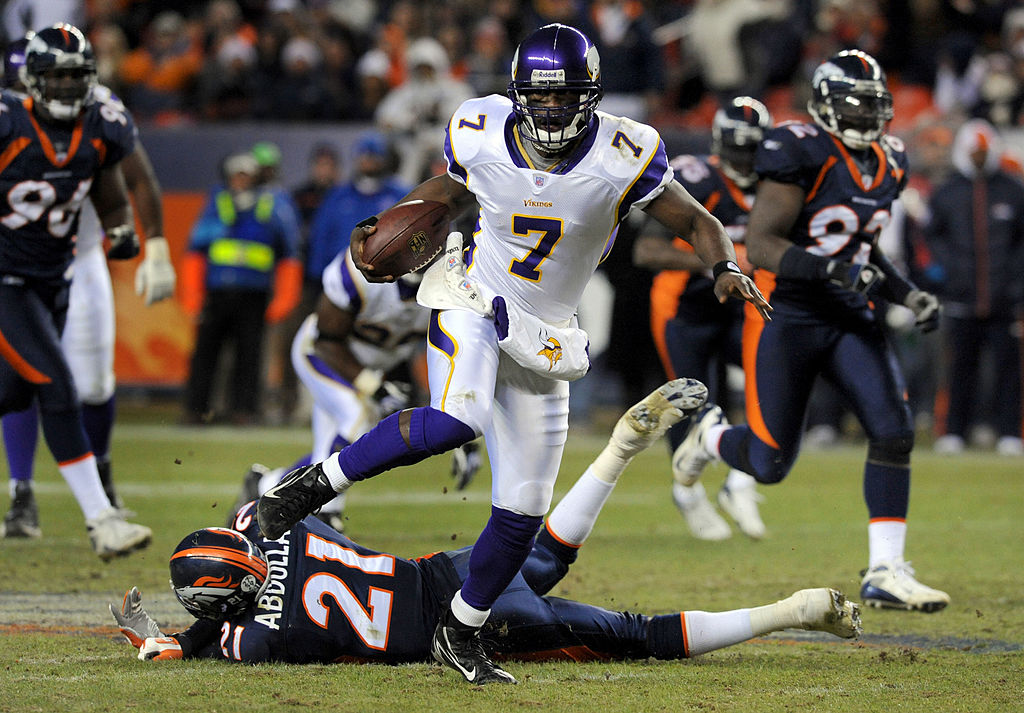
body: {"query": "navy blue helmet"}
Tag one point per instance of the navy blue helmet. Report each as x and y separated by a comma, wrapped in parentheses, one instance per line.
(218, 573)
(14, 60)
(561, 60)
(736, 131)
(59, 72)
(850, 99)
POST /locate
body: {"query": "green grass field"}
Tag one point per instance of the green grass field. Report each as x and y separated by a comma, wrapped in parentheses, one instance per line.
(60, 652)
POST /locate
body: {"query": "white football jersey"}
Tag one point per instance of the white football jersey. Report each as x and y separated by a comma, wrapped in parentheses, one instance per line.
(389, 324)
(541, 234)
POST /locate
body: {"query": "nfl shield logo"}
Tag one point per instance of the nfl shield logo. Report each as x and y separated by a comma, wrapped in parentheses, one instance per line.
(418, 243)
(539, 179)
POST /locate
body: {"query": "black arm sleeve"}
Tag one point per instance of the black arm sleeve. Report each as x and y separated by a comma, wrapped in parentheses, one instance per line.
(197, 636)
(895, 286)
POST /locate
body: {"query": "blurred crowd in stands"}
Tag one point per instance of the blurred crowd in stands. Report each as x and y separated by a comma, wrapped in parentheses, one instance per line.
(403, 66)
(669, 61)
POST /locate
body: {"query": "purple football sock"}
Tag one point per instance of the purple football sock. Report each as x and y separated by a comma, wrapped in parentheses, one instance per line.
(403, 438)
(498, 555)
(21, 434)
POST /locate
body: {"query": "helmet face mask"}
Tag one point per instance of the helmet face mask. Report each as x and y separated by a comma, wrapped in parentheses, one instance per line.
(218, 573)
(555, 87)
(59, 72)
(736, 130)
(850, 98)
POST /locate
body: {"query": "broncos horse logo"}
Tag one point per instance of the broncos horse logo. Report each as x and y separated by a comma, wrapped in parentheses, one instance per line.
(552, 350)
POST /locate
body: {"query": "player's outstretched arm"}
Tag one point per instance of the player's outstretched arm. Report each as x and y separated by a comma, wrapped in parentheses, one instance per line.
(443, 189)
(680, 212)
(155, 276)
(109, 195)
(768, 245)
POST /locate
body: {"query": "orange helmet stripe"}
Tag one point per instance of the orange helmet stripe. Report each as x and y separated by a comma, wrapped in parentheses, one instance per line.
(252, 565)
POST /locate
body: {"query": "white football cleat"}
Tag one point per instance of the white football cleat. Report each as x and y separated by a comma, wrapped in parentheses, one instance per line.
(692, 455)
(701, 517)
(949, 445)
(112, 536)
(740, 503)
(826, 610)
(648, 420)
(891, 585)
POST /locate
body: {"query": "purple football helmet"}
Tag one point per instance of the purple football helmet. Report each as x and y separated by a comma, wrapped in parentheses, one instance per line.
(59, 72)
(850, 98)
(14, 60)
(561, 60)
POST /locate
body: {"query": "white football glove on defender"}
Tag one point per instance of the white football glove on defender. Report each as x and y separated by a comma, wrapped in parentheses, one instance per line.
(466, 462)
(132, 619)
(163, 648)
(926, 309)
(155, 277)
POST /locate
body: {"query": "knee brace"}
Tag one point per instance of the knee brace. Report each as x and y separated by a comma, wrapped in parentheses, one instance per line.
(891, 451)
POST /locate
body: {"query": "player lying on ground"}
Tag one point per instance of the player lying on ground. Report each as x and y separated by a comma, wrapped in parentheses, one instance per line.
(284, 596)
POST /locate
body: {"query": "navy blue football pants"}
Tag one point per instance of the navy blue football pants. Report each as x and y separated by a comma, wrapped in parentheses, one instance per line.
(782, 358)
(33, 364)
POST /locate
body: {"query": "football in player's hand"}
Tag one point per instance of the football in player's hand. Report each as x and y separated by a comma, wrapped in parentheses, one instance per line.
(409, 236)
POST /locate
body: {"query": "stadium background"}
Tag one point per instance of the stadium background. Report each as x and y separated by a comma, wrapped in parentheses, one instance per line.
(662, 62)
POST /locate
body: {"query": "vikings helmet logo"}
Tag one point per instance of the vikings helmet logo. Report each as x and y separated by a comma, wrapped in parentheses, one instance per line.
(552, 350)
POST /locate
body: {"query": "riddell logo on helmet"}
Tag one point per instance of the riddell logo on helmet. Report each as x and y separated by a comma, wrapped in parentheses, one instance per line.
(547, 75)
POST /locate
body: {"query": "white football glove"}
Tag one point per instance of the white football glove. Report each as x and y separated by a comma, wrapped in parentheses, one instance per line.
(926, 309)
(460, 288)
(466, 462)
(132, 619)
(155, 276)
(162, 648)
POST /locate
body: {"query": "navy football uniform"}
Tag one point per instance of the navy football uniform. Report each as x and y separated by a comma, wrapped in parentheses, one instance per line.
(330, 599)
(46, 171)
(691, 327)
(846, 206)
(819, 327)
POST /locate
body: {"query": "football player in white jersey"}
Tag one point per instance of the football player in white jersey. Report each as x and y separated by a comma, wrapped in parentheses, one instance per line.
(343, 353)
(552, 178)
(88, 337)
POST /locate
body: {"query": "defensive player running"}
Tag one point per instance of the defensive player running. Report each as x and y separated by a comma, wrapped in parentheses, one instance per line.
(824, 194)
(60, 149)
(552, 178)
(315, 596)
(694, 333)
(343, 354)
(88, 338)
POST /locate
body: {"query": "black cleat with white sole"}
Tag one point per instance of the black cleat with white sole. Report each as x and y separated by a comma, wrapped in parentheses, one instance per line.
(303, 491)
(460, 647)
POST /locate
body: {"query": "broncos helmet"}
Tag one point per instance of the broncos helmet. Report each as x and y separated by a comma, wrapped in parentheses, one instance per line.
(59, 71)
(850, 99)
(555, 59)
(736, 131)
(14, 60)
(217, 573)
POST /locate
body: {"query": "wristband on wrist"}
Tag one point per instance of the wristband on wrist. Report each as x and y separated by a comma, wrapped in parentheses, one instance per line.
(798, 264)
(725, 266)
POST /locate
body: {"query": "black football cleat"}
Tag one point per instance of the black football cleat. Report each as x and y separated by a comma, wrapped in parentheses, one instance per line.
(22, 520)
(460, 647)
(303, 491)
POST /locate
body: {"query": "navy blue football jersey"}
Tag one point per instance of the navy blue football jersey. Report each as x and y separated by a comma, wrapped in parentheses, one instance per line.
(330, 599)
(692, 294)
(846, 204)
(46, 171)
